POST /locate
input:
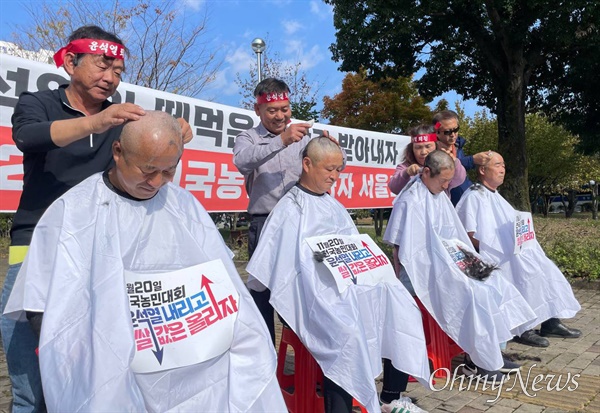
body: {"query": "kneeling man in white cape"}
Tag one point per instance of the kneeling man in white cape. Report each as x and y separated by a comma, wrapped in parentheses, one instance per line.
(478, 315)
(506, 236)
(347, 332)
(143, 309)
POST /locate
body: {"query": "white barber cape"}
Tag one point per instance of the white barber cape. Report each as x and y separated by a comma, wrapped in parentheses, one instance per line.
(74, 274)
(348, 333)
(477, 315)
(538, 279)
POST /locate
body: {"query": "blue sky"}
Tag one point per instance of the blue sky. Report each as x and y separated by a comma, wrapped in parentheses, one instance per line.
(299, 30)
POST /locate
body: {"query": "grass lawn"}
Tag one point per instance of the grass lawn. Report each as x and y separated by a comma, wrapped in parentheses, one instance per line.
(573, 244)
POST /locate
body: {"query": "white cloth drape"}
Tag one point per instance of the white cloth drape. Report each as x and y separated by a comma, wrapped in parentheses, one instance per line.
(347, 333)
(537, 278)
(74, 274)
(477, 315)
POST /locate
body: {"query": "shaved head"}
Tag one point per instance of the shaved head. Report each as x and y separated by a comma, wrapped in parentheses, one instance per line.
(491, 173)
(320, 147)
(437, 161)
(438, 171)
(322, 162)
(146, 154)
(491, 155)
(152, 133)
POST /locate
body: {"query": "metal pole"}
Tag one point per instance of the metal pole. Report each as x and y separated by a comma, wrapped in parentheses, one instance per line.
(595, 200)
(259, 65)
(259, 45)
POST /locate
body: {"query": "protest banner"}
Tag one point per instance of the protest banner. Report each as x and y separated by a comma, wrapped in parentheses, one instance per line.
(206, 168)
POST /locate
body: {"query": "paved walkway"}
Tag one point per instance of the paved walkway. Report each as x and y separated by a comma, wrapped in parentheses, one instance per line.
(570, 365)
(564, 377)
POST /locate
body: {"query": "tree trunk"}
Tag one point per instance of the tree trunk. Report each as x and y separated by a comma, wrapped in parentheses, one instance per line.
(546, 204)
(595, 201)
(378, 222)
(511, 139)
(572, 203)
(535, 200)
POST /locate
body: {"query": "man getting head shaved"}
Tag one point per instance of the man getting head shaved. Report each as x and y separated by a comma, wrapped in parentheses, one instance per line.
(339, 329)
(143, 309)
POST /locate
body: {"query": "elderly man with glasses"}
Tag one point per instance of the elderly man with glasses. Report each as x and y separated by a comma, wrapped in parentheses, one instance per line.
(447, 127)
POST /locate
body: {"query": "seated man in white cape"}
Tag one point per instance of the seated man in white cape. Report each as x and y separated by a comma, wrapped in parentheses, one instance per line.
(347, 332)
(142, 307)
(477, 314)
(506, 236)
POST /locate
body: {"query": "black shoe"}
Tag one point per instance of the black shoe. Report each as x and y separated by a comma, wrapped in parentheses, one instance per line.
(555, 328)
(530, 338)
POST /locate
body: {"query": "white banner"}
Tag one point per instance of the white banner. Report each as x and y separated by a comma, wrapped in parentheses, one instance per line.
(206, 168)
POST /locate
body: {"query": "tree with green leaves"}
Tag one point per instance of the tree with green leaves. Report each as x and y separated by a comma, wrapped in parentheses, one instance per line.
(303, 91)
(166, 51)
(386, 105)
(555, 167)
(492, 51)
(568, 91)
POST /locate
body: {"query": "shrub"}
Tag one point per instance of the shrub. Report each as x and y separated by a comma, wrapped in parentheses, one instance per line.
(573, 244)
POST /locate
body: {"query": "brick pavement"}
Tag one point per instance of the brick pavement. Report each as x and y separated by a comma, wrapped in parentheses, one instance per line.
(578, 358)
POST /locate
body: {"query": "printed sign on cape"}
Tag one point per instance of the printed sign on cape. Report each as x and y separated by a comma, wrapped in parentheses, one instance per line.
(352, 260)
(181, 317)
(524, 232)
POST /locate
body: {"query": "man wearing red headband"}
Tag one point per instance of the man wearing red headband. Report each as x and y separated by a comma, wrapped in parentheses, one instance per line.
(447, 127)
(270, 158)
(65, 135)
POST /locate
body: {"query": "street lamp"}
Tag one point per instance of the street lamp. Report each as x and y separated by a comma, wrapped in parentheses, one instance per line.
(259, 46)
(594, 187)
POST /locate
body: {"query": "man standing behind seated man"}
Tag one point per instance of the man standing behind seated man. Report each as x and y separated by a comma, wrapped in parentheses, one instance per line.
(348, 333)
(490, 221)
(132, 220)
(66, 135)
(270, 158)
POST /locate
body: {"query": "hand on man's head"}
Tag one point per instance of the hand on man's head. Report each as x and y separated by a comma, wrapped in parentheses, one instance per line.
(448, 151)
(482, 157)
(186, 130)
(413, 169)
(115, 115)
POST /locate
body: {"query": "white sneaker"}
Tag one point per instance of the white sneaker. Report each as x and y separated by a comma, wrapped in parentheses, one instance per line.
(402, 405)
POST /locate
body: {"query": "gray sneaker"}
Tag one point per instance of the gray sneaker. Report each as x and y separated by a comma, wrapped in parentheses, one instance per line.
(469, 368)
(492, 376)
(509, 366)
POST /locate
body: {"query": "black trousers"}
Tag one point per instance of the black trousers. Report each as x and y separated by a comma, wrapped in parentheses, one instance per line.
(336, 399)
(394, 382)
(261, 299)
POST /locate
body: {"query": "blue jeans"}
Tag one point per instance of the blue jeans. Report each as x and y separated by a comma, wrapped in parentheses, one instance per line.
(19, 343)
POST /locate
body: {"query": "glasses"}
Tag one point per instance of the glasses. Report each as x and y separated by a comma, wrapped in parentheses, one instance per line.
(451, 131)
